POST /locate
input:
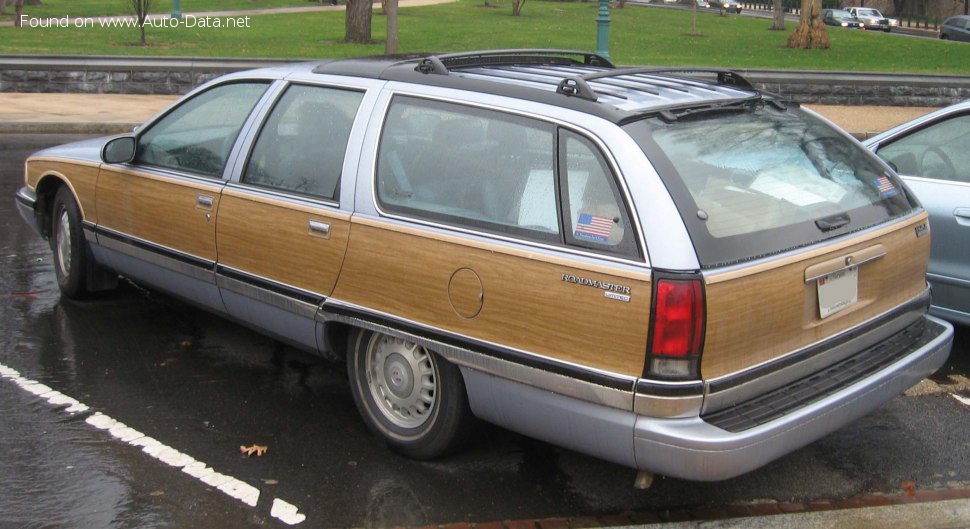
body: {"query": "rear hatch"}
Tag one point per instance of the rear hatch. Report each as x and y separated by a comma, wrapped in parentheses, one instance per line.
(801, 234)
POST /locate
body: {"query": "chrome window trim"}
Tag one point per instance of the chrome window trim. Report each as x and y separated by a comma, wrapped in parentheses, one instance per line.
(935, 181)
(279, 194)
(611, 160)
(533, 376)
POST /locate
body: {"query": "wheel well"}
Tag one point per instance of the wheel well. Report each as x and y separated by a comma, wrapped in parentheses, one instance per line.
(46, 190)
(335, 338)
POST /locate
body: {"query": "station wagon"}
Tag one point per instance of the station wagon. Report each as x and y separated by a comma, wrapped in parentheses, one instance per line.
(533, 238)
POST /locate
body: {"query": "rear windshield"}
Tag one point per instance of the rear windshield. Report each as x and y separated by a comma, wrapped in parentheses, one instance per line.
(756, 180)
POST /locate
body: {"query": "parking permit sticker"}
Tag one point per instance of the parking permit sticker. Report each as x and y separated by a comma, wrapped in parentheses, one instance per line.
(593, 228)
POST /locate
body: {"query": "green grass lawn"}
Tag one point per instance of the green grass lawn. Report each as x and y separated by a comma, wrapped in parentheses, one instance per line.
(637, 36)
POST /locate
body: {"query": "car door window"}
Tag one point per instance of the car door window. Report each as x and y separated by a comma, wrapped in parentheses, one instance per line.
(469, 167)
(301, 147)
(594, 213)
(940, 151)
(198, 135)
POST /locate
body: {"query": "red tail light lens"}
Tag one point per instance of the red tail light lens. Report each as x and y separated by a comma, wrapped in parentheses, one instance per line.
(678, 328)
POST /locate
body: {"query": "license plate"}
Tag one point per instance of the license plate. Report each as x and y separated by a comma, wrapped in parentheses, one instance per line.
(837, 291)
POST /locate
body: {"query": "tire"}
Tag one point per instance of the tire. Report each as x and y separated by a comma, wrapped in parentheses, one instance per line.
(71, 259)
(421, 419)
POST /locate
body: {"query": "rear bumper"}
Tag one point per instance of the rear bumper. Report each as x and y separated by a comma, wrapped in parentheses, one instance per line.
(694, 449)
(26, 200)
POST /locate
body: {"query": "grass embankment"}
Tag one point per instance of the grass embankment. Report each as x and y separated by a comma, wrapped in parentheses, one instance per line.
(637, 36)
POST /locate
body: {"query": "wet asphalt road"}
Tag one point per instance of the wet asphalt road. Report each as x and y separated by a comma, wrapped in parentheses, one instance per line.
(206, 386)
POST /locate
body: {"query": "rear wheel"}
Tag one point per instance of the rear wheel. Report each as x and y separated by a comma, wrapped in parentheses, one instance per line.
(67, 243)
(408, 395)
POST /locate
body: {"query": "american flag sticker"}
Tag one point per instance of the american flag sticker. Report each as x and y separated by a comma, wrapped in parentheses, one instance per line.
(886, 188)
(594, 228)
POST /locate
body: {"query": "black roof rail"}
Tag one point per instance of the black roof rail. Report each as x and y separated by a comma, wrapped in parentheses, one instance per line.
(440, 64)
(578, 85)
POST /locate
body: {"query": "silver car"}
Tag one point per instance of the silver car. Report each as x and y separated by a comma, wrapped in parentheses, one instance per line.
(932, 154)
(956, 28)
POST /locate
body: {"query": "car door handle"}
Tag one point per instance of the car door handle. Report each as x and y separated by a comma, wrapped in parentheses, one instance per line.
(962, 215)
(319, 229)
(204, 200)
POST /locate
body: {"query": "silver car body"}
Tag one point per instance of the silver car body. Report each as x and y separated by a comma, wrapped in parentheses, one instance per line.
(932, 154)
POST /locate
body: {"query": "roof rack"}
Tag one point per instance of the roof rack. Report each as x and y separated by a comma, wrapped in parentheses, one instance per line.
(578, 86)
(440, 64)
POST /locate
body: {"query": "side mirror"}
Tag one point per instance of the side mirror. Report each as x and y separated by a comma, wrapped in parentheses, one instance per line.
(119, 150)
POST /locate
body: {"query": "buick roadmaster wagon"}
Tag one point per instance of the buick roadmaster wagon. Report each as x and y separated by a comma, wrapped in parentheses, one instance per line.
(669, 270)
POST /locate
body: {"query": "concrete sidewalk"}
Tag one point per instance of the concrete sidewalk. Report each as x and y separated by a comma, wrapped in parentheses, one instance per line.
(118, 113)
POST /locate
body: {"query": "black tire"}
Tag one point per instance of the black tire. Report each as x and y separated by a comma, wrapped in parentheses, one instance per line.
(71, 259)
(423, 422)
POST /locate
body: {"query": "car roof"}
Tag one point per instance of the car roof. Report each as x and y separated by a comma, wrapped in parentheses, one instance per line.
(572, 79)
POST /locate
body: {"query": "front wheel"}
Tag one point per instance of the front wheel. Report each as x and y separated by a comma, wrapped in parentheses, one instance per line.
(67, 244)
(408, 395)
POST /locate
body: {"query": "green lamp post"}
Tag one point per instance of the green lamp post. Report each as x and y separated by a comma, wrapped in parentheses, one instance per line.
(602, 30)
(176, 9)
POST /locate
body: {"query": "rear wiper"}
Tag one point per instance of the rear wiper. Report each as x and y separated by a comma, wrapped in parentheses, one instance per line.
(672, 115)
(832, 223)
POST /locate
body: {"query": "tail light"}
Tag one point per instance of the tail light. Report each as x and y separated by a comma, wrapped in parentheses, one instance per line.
(677, 328)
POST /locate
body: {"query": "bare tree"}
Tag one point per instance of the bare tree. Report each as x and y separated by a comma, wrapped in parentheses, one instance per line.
(517, 6)
(357, 24)
(810, 33)
(390, 9)
(140, 8)
(778, 21)
(3, 7)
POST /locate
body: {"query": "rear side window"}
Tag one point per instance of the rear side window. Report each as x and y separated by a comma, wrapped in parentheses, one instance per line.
(499, 173)
(757, 180)
(302, 145)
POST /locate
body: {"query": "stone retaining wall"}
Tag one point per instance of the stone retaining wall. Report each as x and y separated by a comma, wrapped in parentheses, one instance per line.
(177, 76)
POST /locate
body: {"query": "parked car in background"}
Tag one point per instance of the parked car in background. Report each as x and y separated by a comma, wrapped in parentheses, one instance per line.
(702, 3)
(956, 28)
(535, 238)
(841, 18)
(726, 5)
(932, 154)
(873, 19)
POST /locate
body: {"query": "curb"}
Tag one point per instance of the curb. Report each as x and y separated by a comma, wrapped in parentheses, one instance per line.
(951, 507)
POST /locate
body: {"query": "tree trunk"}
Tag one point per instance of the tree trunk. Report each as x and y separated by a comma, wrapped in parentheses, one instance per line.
(390, 46)
(621, 4)
(19, 11)
(357, 25)
(810, 33)
(517, 7)
(3, 7)
(778, 9)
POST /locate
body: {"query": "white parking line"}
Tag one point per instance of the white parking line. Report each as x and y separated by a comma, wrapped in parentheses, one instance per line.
(240, 490)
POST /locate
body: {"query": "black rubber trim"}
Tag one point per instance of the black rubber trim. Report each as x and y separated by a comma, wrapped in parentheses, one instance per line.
(165, 252)
(655, 389)
(486, 349)
(271, 286)
(782, 401)
(920, 303)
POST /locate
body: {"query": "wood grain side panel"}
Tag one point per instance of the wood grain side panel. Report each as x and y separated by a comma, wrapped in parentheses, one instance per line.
(526, 303)
(81, 177)
(756, 318)
(164, 211)
(271, 239)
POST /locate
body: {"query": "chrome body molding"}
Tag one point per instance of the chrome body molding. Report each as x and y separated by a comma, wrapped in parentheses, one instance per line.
(272, 297)
(691, 448)
(153, 254)
(724, 392)
(669, 407)
(615, 391)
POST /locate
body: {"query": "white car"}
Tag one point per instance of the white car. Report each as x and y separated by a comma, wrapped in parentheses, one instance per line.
(873, 19)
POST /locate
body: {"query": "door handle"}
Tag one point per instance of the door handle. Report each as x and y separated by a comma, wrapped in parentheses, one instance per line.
(963, 216)
(204, 200)
(319, 229)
